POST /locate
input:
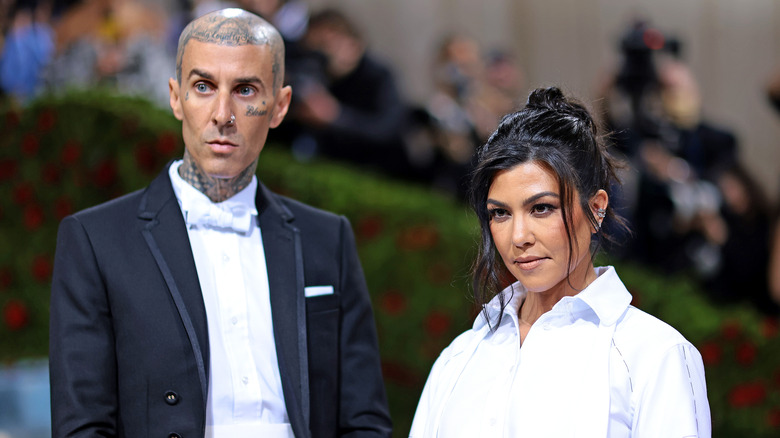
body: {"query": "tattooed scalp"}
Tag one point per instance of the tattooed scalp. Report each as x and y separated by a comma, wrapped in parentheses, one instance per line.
(234, 27)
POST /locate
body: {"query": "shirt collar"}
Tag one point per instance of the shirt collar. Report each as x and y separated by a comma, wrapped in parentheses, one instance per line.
(187, 194)
(606, 296)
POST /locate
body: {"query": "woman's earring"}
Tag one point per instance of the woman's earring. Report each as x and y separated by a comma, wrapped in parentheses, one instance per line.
(601, 213)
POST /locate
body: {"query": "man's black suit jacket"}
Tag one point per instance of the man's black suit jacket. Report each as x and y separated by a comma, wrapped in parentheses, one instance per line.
(129, 351)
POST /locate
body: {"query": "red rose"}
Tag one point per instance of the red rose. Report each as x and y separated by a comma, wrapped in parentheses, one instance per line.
(769, 327)
(747, 394)
(711, 353)
(12, 119)
(128, 127)
(440, 273)
(400, 374)
(393, 302)
(145, 159)
(6, 278)
(369, 227)
(46, 120)
(773, 418)
(30, 145)
(33, 217)
(41, 268)
(51, 173)
(166, 144)
(62, 207)
(437, 323)
(15, 314)
(8, 169)
(105, 173)
(23, 193)
(418, 238)
(746, 353)
(731, 330)
(71, 152)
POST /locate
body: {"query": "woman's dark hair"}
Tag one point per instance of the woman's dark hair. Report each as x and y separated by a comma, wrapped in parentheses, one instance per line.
(558, 133)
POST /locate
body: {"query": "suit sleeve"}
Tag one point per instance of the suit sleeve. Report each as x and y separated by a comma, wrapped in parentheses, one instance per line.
(363, 410)
(82, 363)
(675, 403)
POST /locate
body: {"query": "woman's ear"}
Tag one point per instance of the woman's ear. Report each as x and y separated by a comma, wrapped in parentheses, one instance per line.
(598, 205)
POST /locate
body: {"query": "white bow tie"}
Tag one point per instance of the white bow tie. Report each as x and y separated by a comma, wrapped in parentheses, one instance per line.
(226, 215)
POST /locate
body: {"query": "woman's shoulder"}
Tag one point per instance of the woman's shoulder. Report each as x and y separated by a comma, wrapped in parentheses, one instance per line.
(647, 330)
(645, 341)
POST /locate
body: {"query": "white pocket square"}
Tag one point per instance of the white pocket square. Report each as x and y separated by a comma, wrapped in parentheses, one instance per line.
(315, 291)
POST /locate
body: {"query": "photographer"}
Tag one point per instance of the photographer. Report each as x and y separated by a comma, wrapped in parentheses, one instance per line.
(675, 204)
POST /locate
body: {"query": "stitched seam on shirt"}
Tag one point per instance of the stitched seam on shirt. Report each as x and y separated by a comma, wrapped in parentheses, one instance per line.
(630, 383)
(690, 380)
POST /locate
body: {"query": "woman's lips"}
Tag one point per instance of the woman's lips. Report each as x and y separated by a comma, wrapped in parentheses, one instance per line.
(529, 263)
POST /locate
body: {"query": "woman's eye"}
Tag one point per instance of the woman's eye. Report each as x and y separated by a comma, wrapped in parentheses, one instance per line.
(542, 209)
(498, 213)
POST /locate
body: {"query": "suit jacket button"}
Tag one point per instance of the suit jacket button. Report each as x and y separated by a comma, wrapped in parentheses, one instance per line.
(171, 398)
(174, 435)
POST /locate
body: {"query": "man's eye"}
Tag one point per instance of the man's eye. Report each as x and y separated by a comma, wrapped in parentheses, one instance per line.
(246, 91)
(201, 87)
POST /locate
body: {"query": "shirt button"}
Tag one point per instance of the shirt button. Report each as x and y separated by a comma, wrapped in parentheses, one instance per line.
(225, 258)
(492, 422)
(234, 320)
(171, 398)
(245, 380)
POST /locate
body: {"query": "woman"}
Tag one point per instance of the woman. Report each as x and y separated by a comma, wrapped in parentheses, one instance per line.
(560, 352)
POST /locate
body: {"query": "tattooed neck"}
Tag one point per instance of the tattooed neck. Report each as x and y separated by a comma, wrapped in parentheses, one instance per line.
(217, 189)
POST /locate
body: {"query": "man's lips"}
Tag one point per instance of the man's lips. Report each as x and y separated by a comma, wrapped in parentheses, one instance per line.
(221, 145)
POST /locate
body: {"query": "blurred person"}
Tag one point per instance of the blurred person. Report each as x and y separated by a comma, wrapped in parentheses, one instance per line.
(119, 46)
(458, 67)
(745, 246)
(27, 46)
(672, 198)
(350, 109)
(562, 340)
(204, 304)
(773, 95)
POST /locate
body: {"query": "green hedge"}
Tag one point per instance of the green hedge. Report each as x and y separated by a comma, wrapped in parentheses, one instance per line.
(59, 155)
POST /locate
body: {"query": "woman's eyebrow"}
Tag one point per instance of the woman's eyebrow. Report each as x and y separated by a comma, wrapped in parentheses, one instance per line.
(537, 196)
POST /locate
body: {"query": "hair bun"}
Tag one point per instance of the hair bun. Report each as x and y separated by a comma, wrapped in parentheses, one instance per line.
(551, 98)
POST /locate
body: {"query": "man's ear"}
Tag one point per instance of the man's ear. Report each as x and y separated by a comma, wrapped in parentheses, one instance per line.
(174, 89)
(281, 105)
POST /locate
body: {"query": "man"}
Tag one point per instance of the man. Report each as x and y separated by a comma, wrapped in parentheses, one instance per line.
(205, 304)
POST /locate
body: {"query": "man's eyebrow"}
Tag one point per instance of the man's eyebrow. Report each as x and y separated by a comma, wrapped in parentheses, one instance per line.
(250, 80)
(201, 73)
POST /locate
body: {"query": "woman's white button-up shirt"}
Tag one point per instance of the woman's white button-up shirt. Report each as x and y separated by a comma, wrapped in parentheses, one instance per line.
(593, 366)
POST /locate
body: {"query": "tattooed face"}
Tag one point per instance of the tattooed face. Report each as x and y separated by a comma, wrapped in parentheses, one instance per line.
(227, 100)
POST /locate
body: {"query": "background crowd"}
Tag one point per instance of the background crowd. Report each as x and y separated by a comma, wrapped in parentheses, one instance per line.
(693, 204)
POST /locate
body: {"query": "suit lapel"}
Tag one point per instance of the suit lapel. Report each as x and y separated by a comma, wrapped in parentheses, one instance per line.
(284, 262)
(165, 233)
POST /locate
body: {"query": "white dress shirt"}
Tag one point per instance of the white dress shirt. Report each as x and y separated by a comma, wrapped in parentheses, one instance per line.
(593, 366)
(245, 390)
